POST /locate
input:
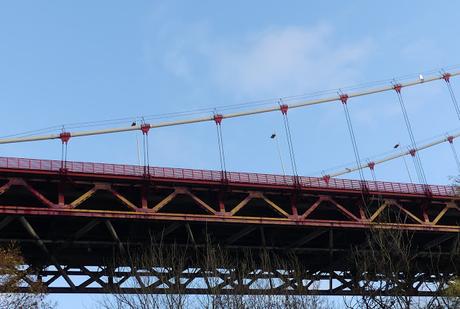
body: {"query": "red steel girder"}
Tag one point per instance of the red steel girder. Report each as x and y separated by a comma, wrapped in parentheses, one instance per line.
(274, 205)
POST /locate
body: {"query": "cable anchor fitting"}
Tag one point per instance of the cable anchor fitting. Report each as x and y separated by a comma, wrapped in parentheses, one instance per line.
(371, 165)
(450, 139)
(412, 152)
(397, 87)
(326, 179)
(218, 119)
(344, 98)
(65, 137)
(446, 77)
(145, 127)
(284, 109)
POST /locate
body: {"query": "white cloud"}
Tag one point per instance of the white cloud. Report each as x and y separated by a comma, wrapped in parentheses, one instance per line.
(423, 51)
(279, 61)
(289, 61)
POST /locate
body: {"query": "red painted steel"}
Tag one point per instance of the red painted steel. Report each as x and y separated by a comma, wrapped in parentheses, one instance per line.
(446, 77)
(146, 215)
(65, 137)
(284, 109)
(145, 127)
(215, 176)
(344, 98)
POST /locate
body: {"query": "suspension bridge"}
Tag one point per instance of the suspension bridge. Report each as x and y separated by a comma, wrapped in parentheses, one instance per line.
(71, 218)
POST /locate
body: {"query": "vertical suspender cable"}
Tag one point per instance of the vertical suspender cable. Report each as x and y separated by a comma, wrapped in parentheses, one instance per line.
(371, 166)
(279, 153)
(450, 139)
(138, 151)
(144, 154)
(416, 158)
(218, 120)
(407, 169)
(284, 109)
(344, 99)
(63, 151)
(446, 77)
(65, 137)
(148, 152)
(145, 127)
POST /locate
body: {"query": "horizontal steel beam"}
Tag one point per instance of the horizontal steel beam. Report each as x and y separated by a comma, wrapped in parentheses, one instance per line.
(35, 211)
(255, 282)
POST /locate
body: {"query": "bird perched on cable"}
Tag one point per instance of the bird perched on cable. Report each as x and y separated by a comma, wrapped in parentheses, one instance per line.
(273, 136)
(133, 124)
(396, 146)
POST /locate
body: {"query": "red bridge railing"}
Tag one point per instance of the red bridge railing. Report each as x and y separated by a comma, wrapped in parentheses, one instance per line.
(233, 177)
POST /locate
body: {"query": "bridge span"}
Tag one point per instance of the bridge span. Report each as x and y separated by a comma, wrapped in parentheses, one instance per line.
(72, 219)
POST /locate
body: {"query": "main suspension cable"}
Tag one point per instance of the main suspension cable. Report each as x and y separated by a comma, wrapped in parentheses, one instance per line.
(391, 157)
(299, 104)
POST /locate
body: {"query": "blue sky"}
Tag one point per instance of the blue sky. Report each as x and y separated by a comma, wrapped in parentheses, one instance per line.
(64, 62)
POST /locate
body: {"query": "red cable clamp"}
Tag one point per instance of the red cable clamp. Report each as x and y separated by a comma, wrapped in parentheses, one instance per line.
(412, 152)
(218, 118)
(344, 98)
(145, 127)
(446, 77)
(65, 137)
(284, 109)
(371, 165)
(397, 88)
(326, 178)
(450, 139)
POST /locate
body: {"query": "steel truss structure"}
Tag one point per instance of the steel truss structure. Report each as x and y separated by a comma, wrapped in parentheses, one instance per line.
(161, 280)
(72, 223)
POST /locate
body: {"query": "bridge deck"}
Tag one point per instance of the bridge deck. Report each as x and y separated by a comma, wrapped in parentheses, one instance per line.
(242, 178)
(80, 220)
